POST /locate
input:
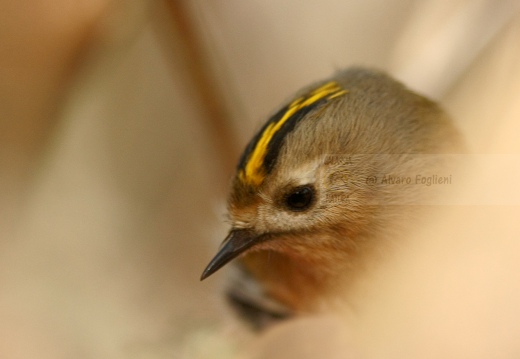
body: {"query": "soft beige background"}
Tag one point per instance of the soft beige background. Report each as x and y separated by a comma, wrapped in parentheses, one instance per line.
(112, 185)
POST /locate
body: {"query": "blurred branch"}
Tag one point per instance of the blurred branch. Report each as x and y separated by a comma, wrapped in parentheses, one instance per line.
(217, 115)
(445, 37)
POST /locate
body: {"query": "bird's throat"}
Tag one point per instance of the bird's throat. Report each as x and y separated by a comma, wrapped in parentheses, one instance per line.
(300, 283)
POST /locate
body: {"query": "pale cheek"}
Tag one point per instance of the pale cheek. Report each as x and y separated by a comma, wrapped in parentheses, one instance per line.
(274, 220)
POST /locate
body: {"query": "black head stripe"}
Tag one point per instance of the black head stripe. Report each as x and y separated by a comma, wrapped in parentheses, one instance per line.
(252, 144)
(261, 153)
(273, 149)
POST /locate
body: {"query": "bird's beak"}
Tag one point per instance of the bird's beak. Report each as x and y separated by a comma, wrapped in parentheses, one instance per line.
(236, 243)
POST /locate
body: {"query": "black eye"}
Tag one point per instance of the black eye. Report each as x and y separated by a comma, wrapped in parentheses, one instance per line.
(299, 199)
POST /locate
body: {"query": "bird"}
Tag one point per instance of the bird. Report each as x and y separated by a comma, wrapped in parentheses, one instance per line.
(327, 185)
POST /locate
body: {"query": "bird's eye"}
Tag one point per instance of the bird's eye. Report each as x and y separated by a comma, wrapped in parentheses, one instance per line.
(300, 198)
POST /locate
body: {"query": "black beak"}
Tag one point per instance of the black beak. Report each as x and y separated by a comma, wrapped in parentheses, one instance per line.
(236, 243)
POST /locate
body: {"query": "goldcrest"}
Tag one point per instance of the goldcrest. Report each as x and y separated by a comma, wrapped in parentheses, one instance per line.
(308, 203)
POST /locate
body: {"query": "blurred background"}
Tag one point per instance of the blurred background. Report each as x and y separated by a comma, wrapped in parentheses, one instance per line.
(120, 125)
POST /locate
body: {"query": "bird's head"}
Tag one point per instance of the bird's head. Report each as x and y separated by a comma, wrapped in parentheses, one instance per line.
(303, 201)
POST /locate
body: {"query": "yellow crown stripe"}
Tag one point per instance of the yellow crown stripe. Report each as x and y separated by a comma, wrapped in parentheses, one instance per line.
(326, 87)
(339, 93)
(253, 172)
